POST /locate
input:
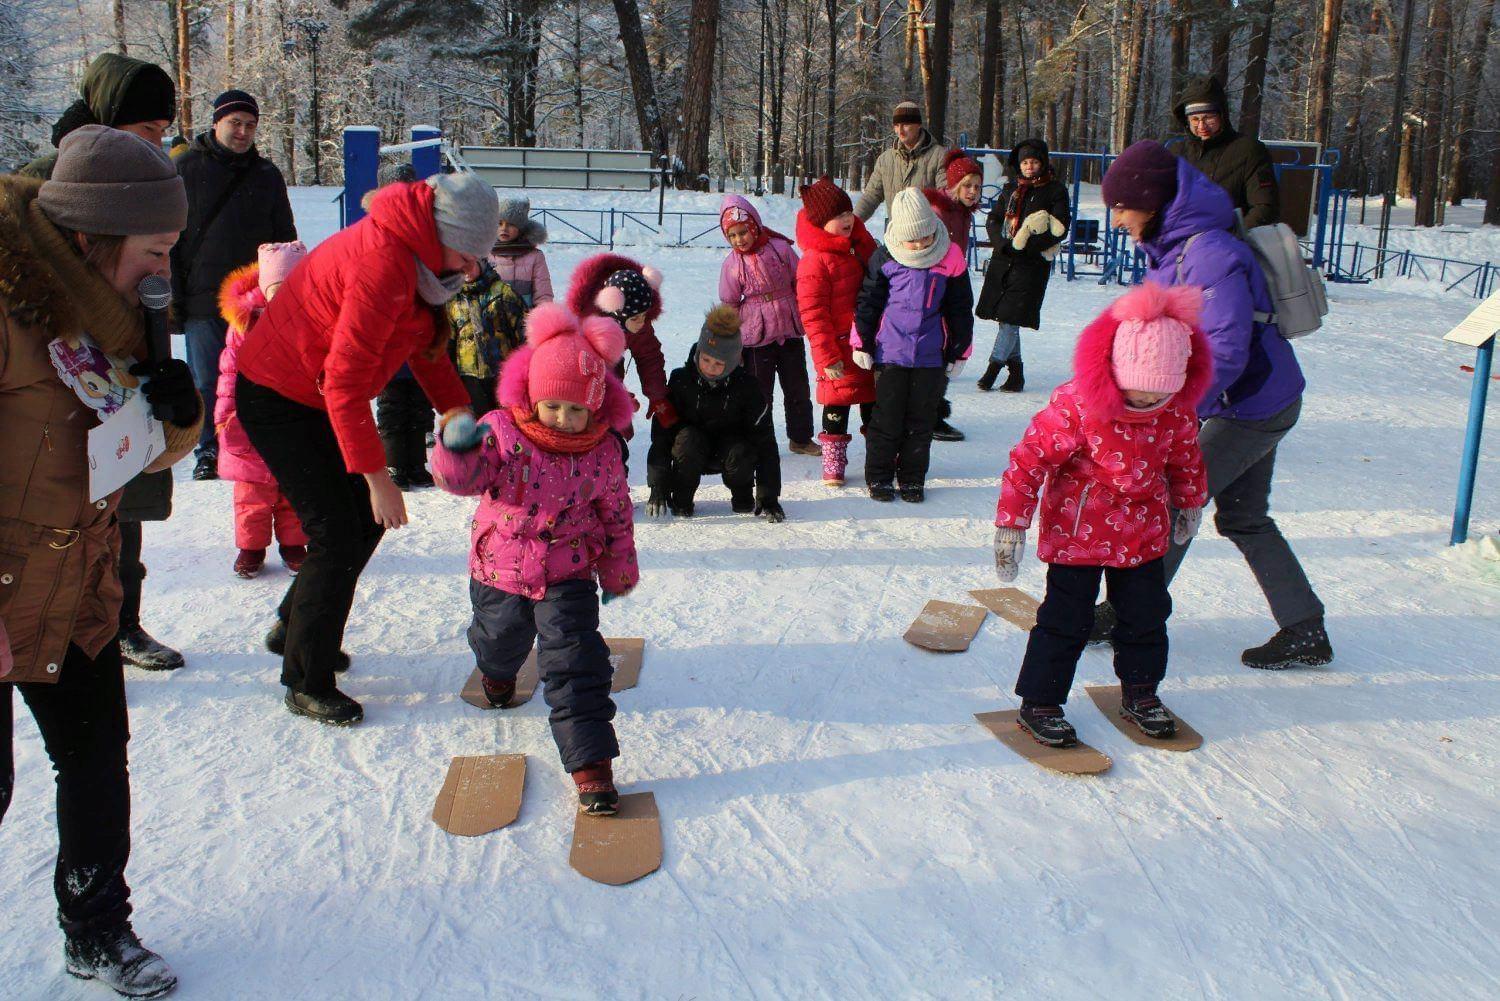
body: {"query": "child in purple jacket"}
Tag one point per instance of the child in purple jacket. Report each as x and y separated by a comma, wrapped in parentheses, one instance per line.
(912, 324)
(555, 516)
(759, 280)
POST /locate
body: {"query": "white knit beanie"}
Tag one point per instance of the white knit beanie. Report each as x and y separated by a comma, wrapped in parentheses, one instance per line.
(913, 219)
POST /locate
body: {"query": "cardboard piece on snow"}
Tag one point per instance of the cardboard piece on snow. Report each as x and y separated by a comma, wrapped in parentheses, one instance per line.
(1080, 759)
(626, 657)
(481, 794)
(620, 849)
(526, 681)
(946, 627)
(1107, 698)
(1010, 603)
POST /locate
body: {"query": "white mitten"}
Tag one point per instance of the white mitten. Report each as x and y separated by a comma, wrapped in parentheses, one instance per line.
(835, 372)
(1010, 547)
(1185, 525)
(863, 360)
(955, 368)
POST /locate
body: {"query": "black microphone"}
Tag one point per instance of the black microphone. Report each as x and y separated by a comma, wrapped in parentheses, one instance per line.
(155, 293)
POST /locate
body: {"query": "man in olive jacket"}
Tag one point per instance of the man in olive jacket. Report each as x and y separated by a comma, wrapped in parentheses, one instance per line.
(915, 160)
(237, 200)
(1239, 164)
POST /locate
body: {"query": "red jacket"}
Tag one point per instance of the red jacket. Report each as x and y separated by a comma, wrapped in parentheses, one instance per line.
(588, 280)
(348, 317)
(828, 280)
(956, 217)
(1110, 474)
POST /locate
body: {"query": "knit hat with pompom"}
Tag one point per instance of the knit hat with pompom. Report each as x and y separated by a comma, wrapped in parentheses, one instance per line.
(628, 293)
(1154, 339)
(570, 359)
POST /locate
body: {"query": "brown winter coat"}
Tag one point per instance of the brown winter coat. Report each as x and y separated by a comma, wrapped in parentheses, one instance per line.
(59, 553)
(899, 168)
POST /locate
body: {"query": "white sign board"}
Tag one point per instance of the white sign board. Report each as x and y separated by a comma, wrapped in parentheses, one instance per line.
(126, 443)
(1479, 326)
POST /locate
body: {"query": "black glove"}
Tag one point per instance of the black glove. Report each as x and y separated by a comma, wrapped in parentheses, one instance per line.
(771, 509)
(170, 391)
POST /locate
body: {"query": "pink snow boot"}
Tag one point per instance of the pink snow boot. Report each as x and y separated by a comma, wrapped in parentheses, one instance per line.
(835, 457)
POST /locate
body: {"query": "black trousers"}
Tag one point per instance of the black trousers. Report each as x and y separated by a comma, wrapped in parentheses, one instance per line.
(132, 573)
(572, 660)
(786, 362)
(836, 418)
(695, 452)
(898, 439)
(298, 445)
(481, 395)
(84, 728)
(405, 419)
(1139, 596)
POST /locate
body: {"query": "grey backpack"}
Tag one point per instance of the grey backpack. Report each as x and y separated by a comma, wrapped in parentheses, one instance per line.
(1296, 287)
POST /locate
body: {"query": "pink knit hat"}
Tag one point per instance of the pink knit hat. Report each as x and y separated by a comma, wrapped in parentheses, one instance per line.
(570, 360)
(1154, 339)
(277, 261)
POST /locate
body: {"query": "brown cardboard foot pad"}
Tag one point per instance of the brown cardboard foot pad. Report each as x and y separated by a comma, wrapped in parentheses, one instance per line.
(1107, 698)
(1080, 759)
(626, 656)
(1010, 603)
(481, 794)
(620, 849)
(473, 692)
(946, 627)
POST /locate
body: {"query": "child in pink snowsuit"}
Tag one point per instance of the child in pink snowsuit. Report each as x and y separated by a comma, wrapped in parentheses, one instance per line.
(259, 505)
(1113, 462)
(555, 516)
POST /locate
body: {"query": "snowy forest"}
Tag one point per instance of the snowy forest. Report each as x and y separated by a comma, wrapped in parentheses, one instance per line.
(790, 89)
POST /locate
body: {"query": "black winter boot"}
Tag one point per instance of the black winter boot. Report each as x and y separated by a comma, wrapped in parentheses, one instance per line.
(1303, 645)
(742, 501)
(207, 467)
(334, 708)
(991, 373)
(401, 478)
(1015, 381)
(1046, 724)
(943, 431)
(883, 492)
(140, 650)
(276, 643)
(117, 960)
(913, 493)
(1139, 705)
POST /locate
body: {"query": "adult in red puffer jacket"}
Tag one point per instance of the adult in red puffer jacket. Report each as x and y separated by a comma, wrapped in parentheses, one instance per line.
(835, 249)
(361, 305)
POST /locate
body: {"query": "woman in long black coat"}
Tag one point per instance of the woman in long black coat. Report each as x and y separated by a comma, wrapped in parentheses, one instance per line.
(1026, 226)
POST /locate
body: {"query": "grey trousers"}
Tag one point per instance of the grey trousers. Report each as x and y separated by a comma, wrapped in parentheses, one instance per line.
(1240, 457)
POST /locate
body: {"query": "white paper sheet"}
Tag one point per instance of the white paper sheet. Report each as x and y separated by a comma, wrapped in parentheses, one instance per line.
(126, 443)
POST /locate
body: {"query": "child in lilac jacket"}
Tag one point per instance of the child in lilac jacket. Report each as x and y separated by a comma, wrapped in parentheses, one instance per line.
(518, 257)
(555, 516)
(759, 280)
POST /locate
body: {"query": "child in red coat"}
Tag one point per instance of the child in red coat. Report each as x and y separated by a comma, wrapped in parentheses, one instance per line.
(630, 294)
(1113, 462)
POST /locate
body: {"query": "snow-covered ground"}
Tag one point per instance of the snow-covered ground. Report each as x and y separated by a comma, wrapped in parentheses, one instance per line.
(836, 824)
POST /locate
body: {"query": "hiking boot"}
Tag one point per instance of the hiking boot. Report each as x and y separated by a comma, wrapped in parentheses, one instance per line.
(207, 467)
(276, 643)
(1104, 623)
(913, 493)
(249, 562)
(943, 431)
(883, 492)
(400, 478)
(1047, 725)
(293, 557)
(596, 789)
(117, 960)
(1015, 380)
(835, 458)
(139, 650)
(1303, 645)
(1139, 705)
(333, 707)
(991, 373)
(804, 448)
(499, 693)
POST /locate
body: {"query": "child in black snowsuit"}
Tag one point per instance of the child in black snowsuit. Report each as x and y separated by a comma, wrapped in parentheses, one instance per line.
(718, 422)
(405, 418)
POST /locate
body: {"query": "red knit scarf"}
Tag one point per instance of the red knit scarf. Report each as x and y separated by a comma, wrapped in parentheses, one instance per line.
(551, 440)
(1018, 198)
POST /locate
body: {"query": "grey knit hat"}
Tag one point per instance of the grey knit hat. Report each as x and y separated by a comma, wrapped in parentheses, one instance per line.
(467, 213)
(113, 183)
(720, 338)
(912, 218)
(516, 211)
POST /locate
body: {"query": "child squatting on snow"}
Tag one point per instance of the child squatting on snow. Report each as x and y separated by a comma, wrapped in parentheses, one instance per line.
(1113, 461)
(555, 515)
(912, 326)
(260, 506)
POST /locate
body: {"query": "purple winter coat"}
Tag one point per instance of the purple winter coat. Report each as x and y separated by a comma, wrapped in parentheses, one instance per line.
(545, 517)
(761, 285)
(915, 317)
(1256, 374)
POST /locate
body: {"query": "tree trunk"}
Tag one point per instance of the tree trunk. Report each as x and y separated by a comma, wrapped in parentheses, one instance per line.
(776, 74)
(986, 130)
(1128, 85)
(939, 49)
(1468, 100)
(831, 7)
(184, 70)
(1434, 88)
(997, 117)
(1182, 44)
(638, 62)
(229, 29)
(1222, 39)
(697, 89)
(120, 45)
(1025, 75)
(1405, 171)
(1492, 203)
(924, 52)
(1252, 99)
(1354, 132)
(1325, 61)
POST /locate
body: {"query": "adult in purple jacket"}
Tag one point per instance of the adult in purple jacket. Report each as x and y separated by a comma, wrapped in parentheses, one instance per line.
(1181, 220)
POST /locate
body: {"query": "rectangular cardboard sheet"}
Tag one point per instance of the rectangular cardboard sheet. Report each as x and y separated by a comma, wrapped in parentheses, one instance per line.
(620, 849)
(946, 627)
(1107, 698)
(1010, 603)
(481, 794)
(626, 656)
(526, 682)
(1080, 759)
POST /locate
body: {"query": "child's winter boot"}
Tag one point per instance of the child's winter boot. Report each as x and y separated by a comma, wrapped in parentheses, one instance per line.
(882, 492)
(1046, 724)
(913, 493)
(835, 457)
(249, 562)
(499, 693)
(1139, 705)
(741, 500)
(596, 789)
(293, 557)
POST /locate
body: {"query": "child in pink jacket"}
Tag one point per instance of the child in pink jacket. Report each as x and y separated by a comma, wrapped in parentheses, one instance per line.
(259, 505)
(518, 257)
(1114, 464)
(759, 280)
(555, 516)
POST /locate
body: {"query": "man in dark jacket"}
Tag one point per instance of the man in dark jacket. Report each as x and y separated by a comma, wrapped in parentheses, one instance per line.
(1239, 164)
(716, 420)
(137, 97)
(237, 200)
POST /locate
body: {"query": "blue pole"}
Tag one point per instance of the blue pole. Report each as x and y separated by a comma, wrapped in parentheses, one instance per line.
(361, 168)
(1325, 189)
(1477, 397)
(1077, 193)
(429, 159)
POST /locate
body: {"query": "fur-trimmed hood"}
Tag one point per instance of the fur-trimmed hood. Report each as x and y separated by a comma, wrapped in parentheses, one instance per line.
(45, 284)
(1093, 364)
(240, 297)
(589, 278)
